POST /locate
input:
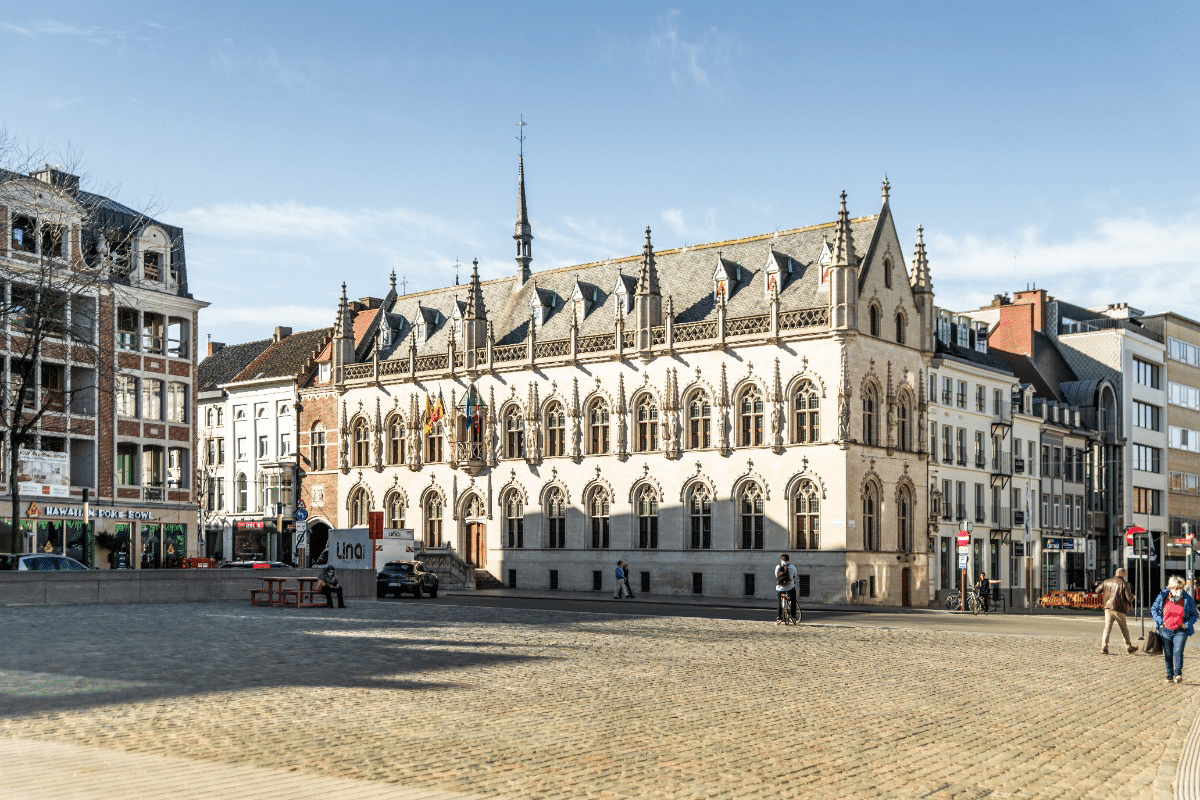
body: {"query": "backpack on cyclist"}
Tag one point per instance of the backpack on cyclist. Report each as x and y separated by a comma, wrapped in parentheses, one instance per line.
(782, 575)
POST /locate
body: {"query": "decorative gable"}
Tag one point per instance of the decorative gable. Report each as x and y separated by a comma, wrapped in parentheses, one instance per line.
(825, 261)
(726, 278)
(623, 292)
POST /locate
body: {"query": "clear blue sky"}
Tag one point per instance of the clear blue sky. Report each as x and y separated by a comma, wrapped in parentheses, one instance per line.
(303, 144)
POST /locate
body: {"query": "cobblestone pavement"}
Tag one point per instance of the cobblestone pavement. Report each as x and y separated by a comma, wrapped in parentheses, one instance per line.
(458, 701)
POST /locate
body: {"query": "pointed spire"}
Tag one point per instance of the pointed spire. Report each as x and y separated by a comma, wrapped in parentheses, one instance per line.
(920, 273)
(343, 327)
(523, 233)
(393, 281)
(887, 189)
(475, 309)
(843, 245)
(648, 278)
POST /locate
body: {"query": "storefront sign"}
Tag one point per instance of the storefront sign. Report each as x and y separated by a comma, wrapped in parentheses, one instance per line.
(96, 513)
(1068, 544)
(1052, 543)
(351, 548)
(1019, 549)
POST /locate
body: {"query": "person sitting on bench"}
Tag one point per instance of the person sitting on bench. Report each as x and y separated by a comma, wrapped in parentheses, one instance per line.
(327, 584)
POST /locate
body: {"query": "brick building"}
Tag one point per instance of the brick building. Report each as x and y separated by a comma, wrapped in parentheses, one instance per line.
(113, 362)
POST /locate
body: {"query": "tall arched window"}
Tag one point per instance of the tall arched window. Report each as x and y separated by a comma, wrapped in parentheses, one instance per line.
(875, 317)
(871, 517)
(395, 441)
(514, 433)
(904, 519)
(243, 498)
(887, 273)
(360, 450)
(316, 448)
(901, 327)
(750, 413)
(646, 503)
(556, 430)
(806, 414)
(699, 421)
(556, 519)
(870, 405)
(514, 519)
(647, 423)
(699, 505)
(750, 511)
(359, 506)
(904, 422)
(598, 517)
(394, 507)
(806, 511)
(433, 443)
(597, 417)
(433, 520)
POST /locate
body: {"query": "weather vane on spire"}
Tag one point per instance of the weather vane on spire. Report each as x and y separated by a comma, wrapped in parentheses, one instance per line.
(521, 137)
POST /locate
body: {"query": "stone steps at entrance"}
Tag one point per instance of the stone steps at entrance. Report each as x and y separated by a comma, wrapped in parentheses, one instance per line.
(486, 580)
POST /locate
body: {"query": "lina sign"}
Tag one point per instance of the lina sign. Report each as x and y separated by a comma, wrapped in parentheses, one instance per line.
(351, 548)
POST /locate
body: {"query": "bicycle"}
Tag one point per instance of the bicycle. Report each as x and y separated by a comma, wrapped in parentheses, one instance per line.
(953, 600)
(785, 611)
(975, 603)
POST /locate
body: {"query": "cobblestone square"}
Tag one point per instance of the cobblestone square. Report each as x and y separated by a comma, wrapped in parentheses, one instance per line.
(420, 699)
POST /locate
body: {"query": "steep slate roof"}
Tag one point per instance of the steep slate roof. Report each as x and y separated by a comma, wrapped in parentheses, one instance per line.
(985, 359)
(685, 275)
(223, 365)
(285, 358)
(362, 322)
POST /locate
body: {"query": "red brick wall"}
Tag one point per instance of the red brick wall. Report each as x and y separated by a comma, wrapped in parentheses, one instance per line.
(320, 405)
(1013, 333)
(106, 456)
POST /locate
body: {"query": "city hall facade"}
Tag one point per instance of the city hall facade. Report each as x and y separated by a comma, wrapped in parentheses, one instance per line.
(693, 411)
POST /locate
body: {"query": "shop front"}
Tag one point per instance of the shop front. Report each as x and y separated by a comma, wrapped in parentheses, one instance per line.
(161, 538)
(259, 540)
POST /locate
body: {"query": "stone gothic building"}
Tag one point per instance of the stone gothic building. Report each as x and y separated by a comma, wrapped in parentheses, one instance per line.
(694, 412)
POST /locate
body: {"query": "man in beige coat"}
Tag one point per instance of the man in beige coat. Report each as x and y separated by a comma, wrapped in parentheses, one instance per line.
(1118, 599)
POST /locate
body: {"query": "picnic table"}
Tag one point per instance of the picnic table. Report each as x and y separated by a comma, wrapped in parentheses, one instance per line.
(276, 593)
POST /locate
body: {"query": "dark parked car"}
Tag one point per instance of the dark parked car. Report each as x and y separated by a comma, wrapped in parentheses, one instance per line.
(399, 577)
(45, 562)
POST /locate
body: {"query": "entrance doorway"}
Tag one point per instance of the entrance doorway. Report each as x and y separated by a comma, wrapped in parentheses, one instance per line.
(906, 586)
(476, 549)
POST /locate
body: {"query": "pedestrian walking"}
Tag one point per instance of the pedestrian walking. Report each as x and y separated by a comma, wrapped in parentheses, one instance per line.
(785, 583)
(1174, 612)
(628, 588)
(621, 585)
(1118, 600)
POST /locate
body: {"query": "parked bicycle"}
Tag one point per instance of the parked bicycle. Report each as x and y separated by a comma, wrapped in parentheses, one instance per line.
(974, 604)
(785, 611)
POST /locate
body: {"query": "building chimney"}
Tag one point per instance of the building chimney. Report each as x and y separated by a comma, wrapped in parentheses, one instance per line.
(281, 333)
(214, 346)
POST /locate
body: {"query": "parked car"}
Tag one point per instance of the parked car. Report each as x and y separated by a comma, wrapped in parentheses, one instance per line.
(256, 565)
(44, 562)
(399, 577)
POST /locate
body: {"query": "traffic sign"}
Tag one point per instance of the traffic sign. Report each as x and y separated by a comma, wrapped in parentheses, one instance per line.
(964, 539)
(301, 514)
(962, 561)
(300, 504)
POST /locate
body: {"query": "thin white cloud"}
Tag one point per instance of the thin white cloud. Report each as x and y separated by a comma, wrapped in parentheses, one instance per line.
(1152, 263)
(295, 220)
(105, 37)
(687, 233)
(278, 67)
(703, 62)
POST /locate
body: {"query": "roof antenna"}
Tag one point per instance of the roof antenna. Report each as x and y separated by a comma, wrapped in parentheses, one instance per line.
(456, 266)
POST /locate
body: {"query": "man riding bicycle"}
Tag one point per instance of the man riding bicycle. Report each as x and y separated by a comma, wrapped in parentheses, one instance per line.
(785, 583)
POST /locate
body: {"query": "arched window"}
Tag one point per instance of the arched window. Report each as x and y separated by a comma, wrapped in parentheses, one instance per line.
(874, 315)
(871, 517)
(556, 519)
(647, 424)
(806, 516)
(750, 413)
(699, 421)
(597, 416)
(359, 506)
(556, 430)
(395, 441)
(360, 451)
(211, 417)
(887, 272)
(514, 519)
(395, 510)
(750, 511)
(433, 443)
(514, 433)
(806, 415)
(699, 505)
(598, 517)
(904, 519)
(901, 326)
(904, 422)
(316, 448)
(646, 503)
(243, 498)
(433, 520)
(870, 403)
